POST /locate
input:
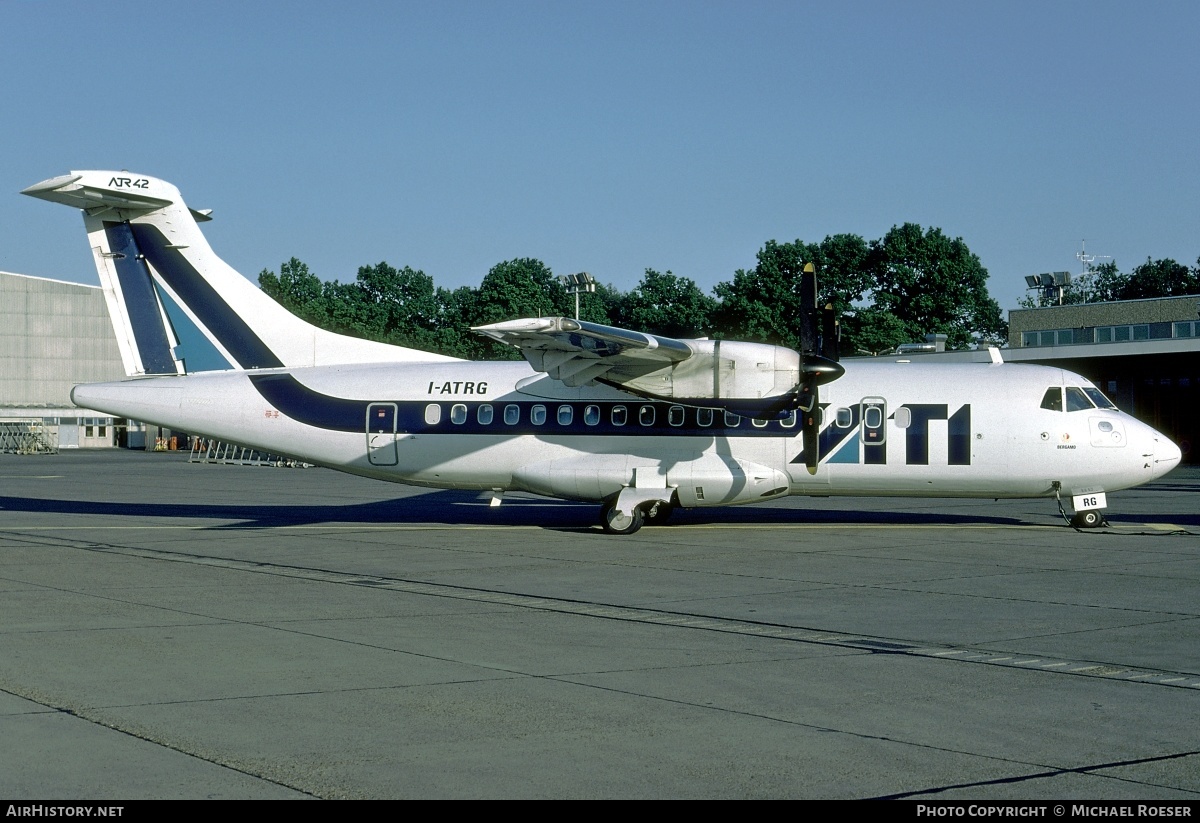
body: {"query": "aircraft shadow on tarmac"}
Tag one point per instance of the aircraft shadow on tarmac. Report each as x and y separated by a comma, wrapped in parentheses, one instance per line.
(470, 509)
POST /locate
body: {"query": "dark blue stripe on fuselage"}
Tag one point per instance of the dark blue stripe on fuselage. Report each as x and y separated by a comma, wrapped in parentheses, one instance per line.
(202, 299)
(312, 408)
(137, 290)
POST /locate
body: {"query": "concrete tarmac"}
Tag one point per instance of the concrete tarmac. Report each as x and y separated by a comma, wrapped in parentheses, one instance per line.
(182, 631)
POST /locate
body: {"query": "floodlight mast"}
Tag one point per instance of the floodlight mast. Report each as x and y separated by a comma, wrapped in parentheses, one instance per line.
(1050, 283)
(577, 283)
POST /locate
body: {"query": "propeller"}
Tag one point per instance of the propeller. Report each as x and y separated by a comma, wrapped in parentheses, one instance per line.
(816, 367)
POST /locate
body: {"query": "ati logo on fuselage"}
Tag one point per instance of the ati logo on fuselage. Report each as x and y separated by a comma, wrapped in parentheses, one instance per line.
(129, 183)
(864, 439)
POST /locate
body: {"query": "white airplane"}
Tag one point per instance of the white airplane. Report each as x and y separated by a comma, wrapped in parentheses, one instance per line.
(636, 422)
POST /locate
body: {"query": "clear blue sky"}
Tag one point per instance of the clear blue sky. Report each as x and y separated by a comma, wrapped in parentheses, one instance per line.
(611, 137)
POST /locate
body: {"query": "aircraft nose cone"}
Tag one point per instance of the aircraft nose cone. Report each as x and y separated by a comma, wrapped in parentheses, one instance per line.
(1166, 455)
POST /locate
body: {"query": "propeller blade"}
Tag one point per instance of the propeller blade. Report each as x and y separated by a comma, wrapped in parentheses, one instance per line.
(809, 331)
(812, 433)
(817, 369)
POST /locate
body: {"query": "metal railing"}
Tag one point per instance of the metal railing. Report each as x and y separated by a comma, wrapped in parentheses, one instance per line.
(233, 454)
(27, 437)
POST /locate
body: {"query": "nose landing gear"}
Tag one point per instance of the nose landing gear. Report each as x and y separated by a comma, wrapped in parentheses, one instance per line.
(1088, 519)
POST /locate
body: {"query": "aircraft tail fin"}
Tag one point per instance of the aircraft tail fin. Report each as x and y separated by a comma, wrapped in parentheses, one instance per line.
(176, 307)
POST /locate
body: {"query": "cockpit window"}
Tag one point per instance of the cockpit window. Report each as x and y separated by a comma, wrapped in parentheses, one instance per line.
(1077, 400)
(1098, 398)
(1052, 399)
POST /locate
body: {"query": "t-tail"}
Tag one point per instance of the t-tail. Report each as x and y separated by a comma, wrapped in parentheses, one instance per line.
(176, 307)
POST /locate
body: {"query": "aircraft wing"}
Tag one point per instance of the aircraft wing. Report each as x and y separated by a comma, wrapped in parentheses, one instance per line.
(577, 352)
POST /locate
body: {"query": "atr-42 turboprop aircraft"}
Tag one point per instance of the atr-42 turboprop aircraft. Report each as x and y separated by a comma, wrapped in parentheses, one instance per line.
(636, 422)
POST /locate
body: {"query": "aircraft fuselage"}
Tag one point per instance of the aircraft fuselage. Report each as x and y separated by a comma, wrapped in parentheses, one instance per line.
(888, 428)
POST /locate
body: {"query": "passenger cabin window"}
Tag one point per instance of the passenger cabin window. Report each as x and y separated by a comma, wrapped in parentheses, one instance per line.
(1077, 400)
(620, 415)
(537, 415)
(565, 415)
(1052, 399)
(789, 422)
(458, 414)
(675, 415)
(903, 417)
(646, 415)
(433, 414)
(591, 415)
(758, 424)
(845, 418)
(484, 414)
(512, 414)
(704, 418)
(732, 420)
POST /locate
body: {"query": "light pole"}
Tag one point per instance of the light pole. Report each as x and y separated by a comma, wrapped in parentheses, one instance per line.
(576, 284)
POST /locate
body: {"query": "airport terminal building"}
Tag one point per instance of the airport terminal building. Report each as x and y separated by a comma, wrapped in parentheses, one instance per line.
(1144, 354)
(54, 335)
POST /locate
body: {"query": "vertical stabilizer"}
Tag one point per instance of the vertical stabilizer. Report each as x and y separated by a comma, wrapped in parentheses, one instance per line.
(176, 307)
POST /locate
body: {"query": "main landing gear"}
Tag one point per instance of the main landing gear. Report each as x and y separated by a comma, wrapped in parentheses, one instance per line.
(648, 514)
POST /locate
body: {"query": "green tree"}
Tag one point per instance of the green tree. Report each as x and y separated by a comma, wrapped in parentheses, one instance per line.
(1160, 278)
(931, 283)
(296, 289)
(667, 304)
(764, 304)
(403, 306)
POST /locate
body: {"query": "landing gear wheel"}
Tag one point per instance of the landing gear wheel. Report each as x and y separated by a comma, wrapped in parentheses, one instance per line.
(1089, 519)
(617, 522)
(658, 514)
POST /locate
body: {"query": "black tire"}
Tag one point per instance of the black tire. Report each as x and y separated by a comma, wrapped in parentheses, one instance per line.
(658, 514)
(1088, 519)
(616, 522)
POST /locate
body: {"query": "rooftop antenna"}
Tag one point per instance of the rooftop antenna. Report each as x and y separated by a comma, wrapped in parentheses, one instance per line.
(1086, 260)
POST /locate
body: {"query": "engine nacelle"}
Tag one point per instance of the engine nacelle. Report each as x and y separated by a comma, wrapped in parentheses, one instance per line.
(711, 480)
(744, 377)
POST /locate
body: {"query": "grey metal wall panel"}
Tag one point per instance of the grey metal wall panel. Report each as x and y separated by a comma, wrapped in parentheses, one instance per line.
(53, 335)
